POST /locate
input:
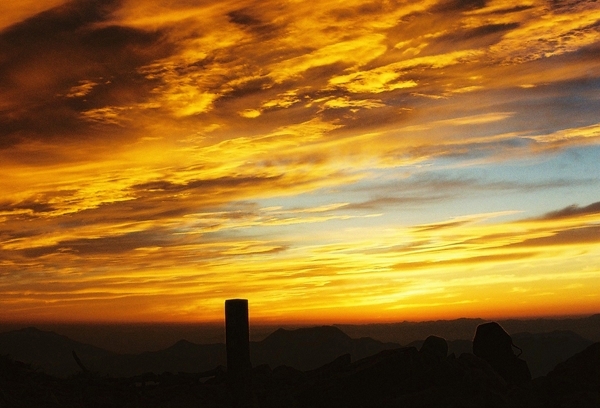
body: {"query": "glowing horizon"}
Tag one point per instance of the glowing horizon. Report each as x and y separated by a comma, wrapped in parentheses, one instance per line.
(333, 163)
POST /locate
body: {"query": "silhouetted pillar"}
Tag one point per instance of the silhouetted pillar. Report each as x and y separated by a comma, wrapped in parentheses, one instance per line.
(237, 335)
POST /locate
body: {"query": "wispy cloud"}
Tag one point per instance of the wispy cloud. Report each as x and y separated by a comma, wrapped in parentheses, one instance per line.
(574, 210)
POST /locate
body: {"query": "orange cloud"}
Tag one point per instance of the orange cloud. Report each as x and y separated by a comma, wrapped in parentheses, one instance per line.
(371, 158)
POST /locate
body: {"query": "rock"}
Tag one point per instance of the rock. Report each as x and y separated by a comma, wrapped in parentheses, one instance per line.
(493, 344)
(435, 347)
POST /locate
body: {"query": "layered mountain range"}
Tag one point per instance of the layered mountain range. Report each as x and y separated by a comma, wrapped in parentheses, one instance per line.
(309, 367)
(302, 349)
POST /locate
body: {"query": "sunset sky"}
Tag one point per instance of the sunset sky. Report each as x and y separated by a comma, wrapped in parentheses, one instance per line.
(331, 161)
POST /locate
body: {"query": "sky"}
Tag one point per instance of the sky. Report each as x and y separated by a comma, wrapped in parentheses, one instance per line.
(332, 162)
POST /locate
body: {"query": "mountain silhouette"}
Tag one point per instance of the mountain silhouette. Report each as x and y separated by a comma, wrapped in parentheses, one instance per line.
(406, 332)
(183, 356)
(301, 349)
(575, 381)
(425, 376)
(309, 348)
(51, 352)
(543, 351)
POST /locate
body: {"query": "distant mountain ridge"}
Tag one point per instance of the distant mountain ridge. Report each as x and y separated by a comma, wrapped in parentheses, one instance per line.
(302, 349)
(136, 338)
(406, 332)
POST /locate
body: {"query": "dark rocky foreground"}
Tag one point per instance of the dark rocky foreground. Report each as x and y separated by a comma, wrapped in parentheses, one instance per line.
(402, 377)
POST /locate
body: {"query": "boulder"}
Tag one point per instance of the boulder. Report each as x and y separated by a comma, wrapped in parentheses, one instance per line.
(435, 347)
(493, 344)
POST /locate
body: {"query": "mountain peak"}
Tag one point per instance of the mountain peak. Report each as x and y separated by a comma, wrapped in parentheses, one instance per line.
(183, 345)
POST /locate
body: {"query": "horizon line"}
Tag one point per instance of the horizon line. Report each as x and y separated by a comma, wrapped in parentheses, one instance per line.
(268, 323)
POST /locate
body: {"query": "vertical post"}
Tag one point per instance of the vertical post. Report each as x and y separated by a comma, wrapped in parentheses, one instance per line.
(237, 335)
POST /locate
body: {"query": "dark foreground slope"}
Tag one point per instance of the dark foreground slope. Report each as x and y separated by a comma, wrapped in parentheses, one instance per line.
(51, 352)
(403, 377)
